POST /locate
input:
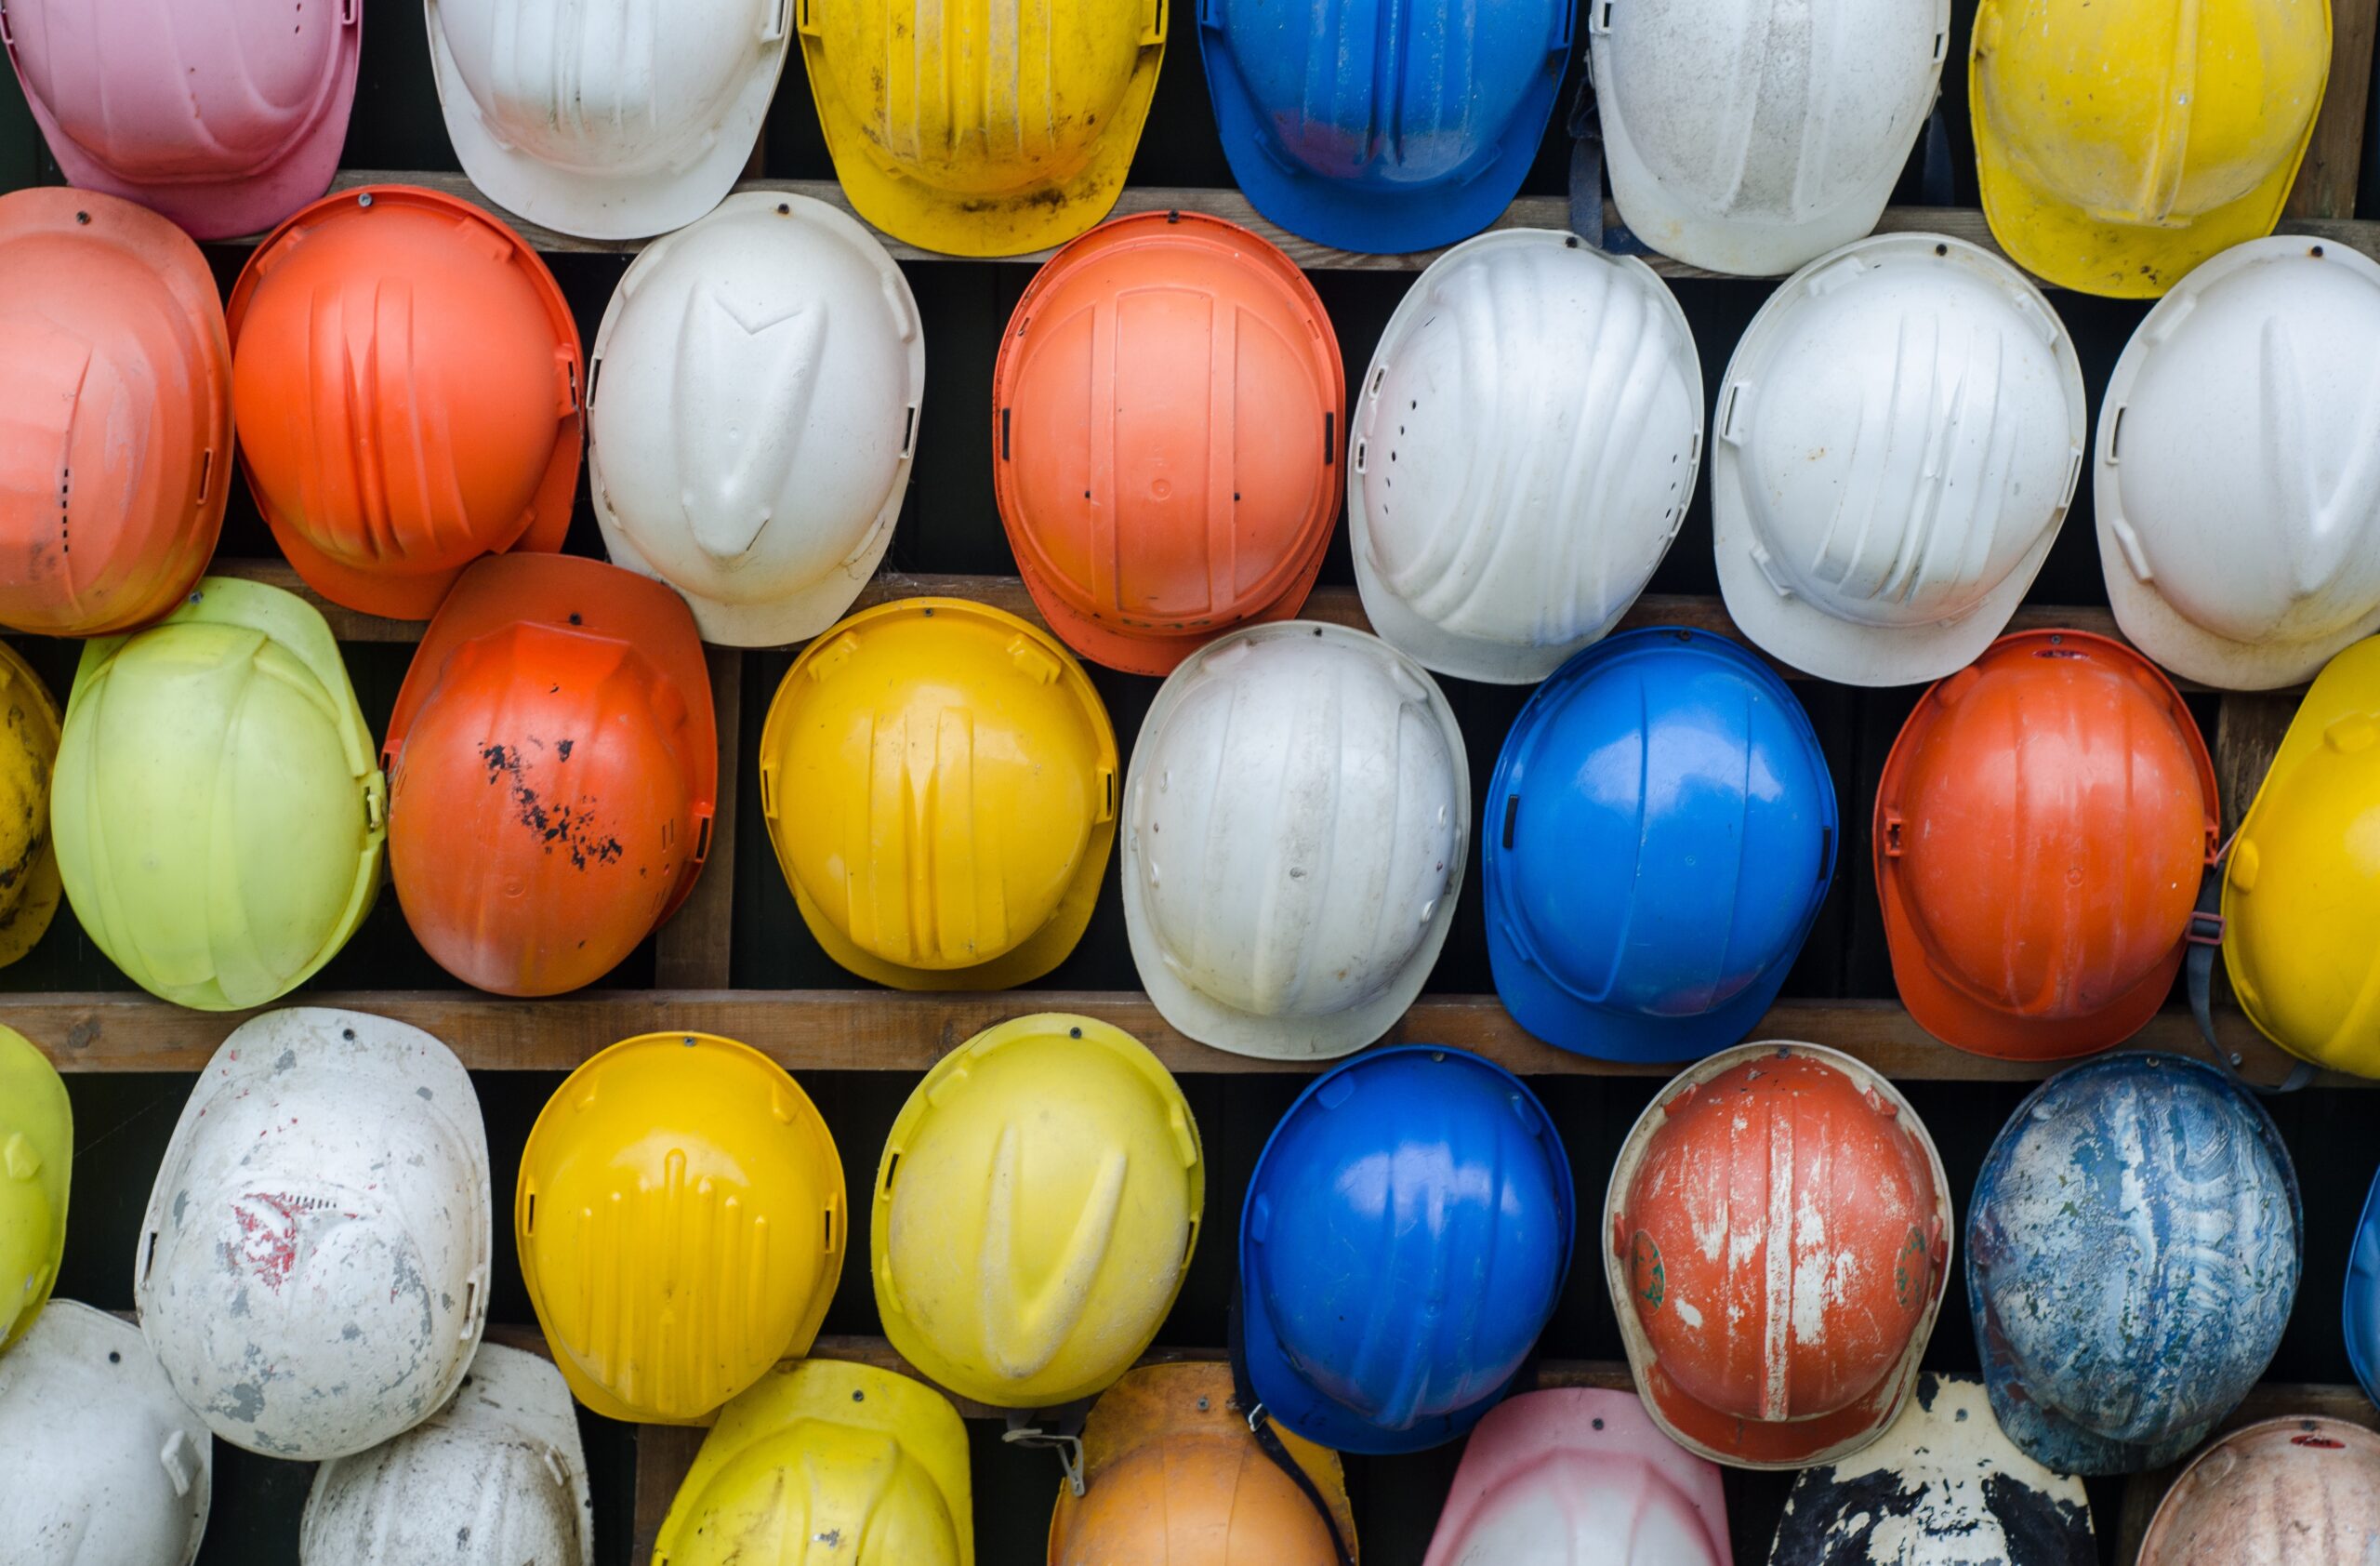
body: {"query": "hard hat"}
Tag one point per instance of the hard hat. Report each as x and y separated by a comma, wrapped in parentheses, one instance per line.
(1296, 822)
(1517, 520)
(37, 1167)
(115, 380)
(408, 379)
(1173, 1477)
(1158, 497)
(551, 764)
(29, 733)
(871, 1464)
(2359, 1305)
(1408, 1230)
(2122, 142)
(609, 122)
(216, 812)
(1752, 136)
(2041, 827)
(766, 368)
(1943, 1487)
(2301, 883)
(105, 1466)
(1579, 1478)
(2276, 1493)
(666, 1166)
(2240, 396)
(313, 1266)
(981, 127)
(497, 1478)
(1381, 126)
(224, 116)
(1898, 434)
(2133, 1252)
(1034, 1212)
(939, 781)
(1776, 1234)
(1661, 833)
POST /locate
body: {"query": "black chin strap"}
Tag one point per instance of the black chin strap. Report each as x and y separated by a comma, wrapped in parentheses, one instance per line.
(2205, 939)
(1268, 1441)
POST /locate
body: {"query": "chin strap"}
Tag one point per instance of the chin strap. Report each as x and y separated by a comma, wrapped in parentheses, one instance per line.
(2205, 936)
(1586, 173)
(1268, 1441)
(1059, 1428)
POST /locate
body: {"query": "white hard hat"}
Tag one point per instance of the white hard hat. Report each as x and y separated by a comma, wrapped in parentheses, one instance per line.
(497, 1478)
(1524, 450)
(751, 409)
(608, 121)
(1897, 437)
(312, 1271)
(1752, 136)
(2238, 475)
(1295, 824)
(101, 1465)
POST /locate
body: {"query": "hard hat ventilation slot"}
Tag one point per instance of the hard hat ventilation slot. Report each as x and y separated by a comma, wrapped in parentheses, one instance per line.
(1003, 434)
(594, 378)
(347, 12)
(1512, 813)
(777, 22)
(4, 38)
(2115, 437)
(528, 1224)
(471, 1304)
(702, 841)
(206, 473)
(892, 1168)
(909, 432)
(1941, 41)
(148, 1255)
(827, 1240)
(1330, 437)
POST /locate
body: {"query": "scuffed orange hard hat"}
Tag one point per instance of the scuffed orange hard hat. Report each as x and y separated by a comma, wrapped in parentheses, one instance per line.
(552, 763)
(409, 382)
(2042, 829)
(115, 395)
(1167, 412)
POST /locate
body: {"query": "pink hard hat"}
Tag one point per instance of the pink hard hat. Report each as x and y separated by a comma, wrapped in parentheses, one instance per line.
(225, 116)
(1565, 1478)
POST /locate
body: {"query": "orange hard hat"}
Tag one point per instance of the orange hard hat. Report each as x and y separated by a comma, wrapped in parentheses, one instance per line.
(1778, 1234)
(1173, 1477)
(115, 395)
(1167, 412)
(552, 763)
(409, 387)
(2042, 829)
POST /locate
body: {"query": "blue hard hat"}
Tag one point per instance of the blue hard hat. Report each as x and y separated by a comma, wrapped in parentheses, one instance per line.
(1383, 125)
(2360, 1309)
(1661, 830)
(2132, 1253)
(1408, 1230)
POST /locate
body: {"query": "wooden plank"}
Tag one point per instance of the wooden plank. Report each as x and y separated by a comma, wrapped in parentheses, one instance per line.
(2248, 728)
(2327, 180)
(884, 1030)
(1528, 212)
(2142, 1492)
(664, 1453)
(692, 951)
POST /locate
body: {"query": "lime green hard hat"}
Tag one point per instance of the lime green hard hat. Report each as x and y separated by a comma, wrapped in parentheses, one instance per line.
(36, 1153)
(217, 811)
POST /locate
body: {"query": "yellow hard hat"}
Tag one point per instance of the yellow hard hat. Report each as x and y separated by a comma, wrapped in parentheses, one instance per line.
(1034, 1212)
(28, 888)
(2301, 893)
(217, 811)
(982, 127)
(680, 1223)
(2121, 142)
(36, 1156)
(872, 1464)
(939, 779)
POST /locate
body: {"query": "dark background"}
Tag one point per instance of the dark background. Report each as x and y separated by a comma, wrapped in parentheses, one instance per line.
(950, 524)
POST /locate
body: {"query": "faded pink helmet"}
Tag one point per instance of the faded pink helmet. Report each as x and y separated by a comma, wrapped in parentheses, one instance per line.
(225, 116)
(1572, 1476)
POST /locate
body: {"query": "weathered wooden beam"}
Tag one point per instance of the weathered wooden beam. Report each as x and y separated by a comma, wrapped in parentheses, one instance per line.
(2327, 180)
(692, 951)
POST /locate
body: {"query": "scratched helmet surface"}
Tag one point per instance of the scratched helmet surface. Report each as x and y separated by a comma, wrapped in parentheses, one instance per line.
(36, 1171)
(1407, 1232)
(1777, 1235)
(553, 764)
(982, 127)
(2244, 393)
(497, 1478)
(681, 1225)
(105, 1466)
(1943, 1487)
(312, 1271)
(939, 781)
(830, 1462)
(2133, 1252)
(751, 409)
(1034, 1212)
(1383, 124)
(2275, 1494)
(408, 383)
